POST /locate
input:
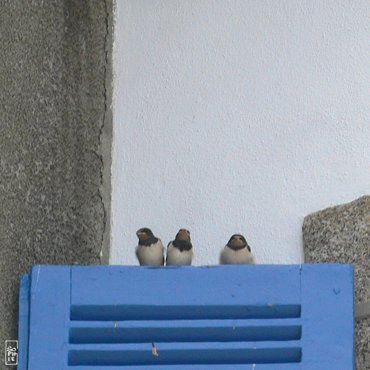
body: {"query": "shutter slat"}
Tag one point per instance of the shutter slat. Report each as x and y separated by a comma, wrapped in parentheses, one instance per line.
(188, 346)
(177, 312)
(284, 366)
(185, 353)
(184, 330)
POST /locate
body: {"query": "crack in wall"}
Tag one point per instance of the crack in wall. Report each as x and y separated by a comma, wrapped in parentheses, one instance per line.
(105, 135)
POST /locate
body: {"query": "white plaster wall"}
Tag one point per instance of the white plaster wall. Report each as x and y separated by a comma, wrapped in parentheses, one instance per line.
(237, 116)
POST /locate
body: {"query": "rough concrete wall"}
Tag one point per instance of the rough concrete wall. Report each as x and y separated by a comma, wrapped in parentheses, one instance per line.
(55, 134)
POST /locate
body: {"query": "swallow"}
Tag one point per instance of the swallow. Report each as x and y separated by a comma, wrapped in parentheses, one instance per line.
(150, 250)
(236, 251)
(180, 250)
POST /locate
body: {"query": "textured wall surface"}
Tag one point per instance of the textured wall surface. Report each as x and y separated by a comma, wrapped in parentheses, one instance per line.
(54, 140)
(341, 234)
(237, 116)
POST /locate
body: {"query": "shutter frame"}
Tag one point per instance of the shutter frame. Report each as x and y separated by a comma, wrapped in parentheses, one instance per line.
(56, 302)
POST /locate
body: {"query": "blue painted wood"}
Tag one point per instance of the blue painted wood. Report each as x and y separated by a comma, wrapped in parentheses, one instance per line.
(211, 292)
(49, 317)
(220, 317)
(23, 323)
(185, 353)
(327, 317)
(199, 367)
(184, 331)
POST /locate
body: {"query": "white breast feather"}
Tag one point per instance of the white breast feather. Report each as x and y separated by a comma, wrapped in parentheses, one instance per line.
(241, 256)
(176, 257)
(152, 255)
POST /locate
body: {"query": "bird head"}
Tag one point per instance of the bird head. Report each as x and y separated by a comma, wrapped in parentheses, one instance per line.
(144, 233)
(238, 241)
(183, 234)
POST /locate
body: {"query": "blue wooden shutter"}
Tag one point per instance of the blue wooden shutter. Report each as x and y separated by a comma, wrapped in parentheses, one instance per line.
(189, 318)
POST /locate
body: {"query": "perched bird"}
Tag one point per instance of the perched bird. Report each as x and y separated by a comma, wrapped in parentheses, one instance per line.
(180, 250)
(150, 251)
(236, 251)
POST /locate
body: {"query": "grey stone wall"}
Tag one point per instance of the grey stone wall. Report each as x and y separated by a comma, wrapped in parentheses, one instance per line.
(55, 135)
(341, 234)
